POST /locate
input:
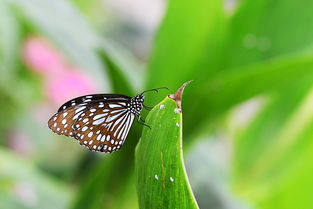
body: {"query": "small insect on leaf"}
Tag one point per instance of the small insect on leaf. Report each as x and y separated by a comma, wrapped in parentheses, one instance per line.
(100, 122)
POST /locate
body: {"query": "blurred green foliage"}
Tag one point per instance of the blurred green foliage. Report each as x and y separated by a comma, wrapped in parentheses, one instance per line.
(259, 52)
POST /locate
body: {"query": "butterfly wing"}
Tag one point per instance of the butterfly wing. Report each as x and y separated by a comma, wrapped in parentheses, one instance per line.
(63, 122)
(91, 98)
(104, 129)
(101, 125)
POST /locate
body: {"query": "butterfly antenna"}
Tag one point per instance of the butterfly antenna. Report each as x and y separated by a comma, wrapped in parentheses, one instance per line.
(156, 89)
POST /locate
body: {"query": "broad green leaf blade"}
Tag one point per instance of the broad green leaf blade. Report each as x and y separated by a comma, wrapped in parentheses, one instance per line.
(118, 79)
(229, 88)
(272, 160)
(189, 34)
(105, 181)
(125, 62)
(261, 144)
(161, 177)
(266, 29)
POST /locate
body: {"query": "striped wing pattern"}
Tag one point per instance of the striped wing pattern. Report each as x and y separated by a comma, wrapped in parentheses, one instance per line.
(100, 125)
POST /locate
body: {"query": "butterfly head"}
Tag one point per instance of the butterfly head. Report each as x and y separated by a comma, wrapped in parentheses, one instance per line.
(136, 104)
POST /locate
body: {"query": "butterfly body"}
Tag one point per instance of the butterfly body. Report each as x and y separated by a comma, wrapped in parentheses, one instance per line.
(100, 122)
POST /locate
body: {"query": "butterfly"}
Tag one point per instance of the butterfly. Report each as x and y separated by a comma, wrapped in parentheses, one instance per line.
(100, 122)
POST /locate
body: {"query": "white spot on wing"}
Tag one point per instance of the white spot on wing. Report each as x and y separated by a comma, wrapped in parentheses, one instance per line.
(97, 122)
(114, 105)
(84, 128)
(99, 137)
(113, 117)
(99, 116)
(79, 109)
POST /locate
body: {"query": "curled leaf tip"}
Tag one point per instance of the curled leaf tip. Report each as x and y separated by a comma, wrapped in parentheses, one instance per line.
(178, 95)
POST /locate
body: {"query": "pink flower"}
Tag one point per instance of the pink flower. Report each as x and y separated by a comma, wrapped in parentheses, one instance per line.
(61, 82)
(67, 86)
(41, 57)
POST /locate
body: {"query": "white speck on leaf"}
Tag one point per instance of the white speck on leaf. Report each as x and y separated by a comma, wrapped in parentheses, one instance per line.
(171, 179)
(250, 41)
(162, 106)
(177, 124)
(177, 110)
(156, 177)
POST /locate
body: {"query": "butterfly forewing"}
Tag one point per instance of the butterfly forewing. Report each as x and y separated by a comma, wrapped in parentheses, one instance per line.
(91, 98)
(99, 122)
(63, 122)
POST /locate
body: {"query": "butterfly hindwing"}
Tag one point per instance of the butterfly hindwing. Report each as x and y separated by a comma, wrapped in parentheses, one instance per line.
(104, 127)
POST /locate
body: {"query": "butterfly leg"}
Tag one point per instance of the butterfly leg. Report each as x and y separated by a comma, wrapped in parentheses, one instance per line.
(147, 108)
(142, 122)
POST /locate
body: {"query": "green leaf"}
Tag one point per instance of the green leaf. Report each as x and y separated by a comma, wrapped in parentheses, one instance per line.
(272, 161)
(229, 88)
(261, 142)
(125, 63)
(186, 43)
(105, 181)
(119, 81)
(161, 177)
(258, 31)
(217, 46)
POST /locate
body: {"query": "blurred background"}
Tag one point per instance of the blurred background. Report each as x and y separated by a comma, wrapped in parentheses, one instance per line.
(248, 115)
